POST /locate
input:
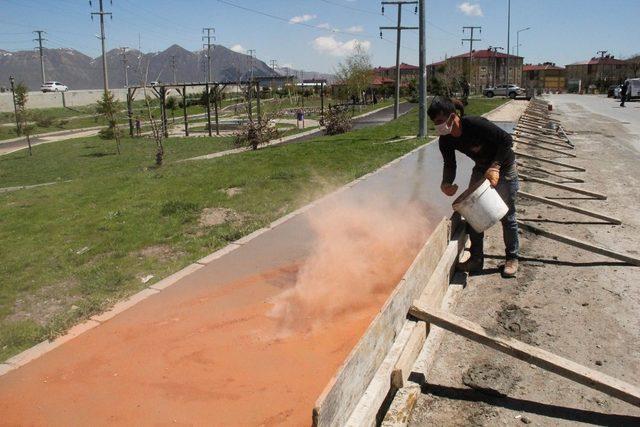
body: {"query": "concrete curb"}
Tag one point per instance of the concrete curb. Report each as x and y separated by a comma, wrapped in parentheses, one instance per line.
(40, 349)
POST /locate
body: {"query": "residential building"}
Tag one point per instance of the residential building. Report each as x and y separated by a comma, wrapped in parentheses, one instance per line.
(408, 72)
(545, 77)
(599, 71)
(481, 68)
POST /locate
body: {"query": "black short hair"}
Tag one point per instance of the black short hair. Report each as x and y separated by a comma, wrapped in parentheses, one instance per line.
(444, 105)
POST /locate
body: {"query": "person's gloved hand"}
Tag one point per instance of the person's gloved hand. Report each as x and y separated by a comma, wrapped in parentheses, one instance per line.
(493, 175)
(449, 189)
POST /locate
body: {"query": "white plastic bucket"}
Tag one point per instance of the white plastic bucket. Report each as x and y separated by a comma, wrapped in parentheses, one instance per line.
(481, 205)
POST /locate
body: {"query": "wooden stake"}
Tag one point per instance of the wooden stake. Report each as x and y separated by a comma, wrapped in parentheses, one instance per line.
(580, 244)
(564, 187)
(520, 141)
(552, 162)
(530, 354)
(548, 172)
(569, 207)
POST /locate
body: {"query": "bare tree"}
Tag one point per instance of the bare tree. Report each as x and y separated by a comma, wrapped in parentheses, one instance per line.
(23, 115)
(356, 72)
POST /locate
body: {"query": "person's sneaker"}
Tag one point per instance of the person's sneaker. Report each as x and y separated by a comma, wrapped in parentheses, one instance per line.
(474, 264)
(510, 268)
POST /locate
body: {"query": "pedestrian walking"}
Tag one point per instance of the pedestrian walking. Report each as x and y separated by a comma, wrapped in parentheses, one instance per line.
(623, 92)
(138, 127)
(300, 118)
(490, 148)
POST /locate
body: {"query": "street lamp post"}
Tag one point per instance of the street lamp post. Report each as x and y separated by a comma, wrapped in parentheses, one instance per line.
(15, 107)
(518, 40)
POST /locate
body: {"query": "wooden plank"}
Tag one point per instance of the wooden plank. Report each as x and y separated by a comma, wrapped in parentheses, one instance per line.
(530, 354)
(576, 209)
(343, 392)
(402, 406)
(580, 244)
(390, 378)
(548, 172)
(402, 368)
(538, 139)
(378, 389)
(552, 162)
(537, 145)
(563, 187)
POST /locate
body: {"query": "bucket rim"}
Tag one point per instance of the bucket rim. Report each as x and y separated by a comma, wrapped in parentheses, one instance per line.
(462, 198)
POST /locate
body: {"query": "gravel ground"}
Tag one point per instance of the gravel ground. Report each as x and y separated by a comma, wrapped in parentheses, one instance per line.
(571, 302)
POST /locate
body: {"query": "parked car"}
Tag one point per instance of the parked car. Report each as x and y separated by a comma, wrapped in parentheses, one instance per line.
(154, 83)
(53, 87)
(611, 91)
(633, 91)
(512, 91)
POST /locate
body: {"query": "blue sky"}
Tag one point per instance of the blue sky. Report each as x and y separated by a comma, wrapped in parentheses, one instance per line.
(562, 31)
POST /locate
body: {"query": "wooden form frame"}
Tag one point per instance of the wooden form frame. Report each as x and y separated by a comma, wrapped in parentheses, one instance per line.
(529, 354)
(389, 336)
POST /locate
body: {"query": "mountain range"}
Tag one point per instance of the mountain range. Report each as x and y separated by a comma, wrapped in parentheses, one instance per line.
(79, 71)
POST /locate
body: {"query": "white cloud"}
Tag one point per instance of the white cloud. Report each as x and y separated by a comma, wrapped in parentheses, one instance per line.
(470, 9)
(238, 48)
(355, 29)
(334, 47)
(325, 26)
(302, 18)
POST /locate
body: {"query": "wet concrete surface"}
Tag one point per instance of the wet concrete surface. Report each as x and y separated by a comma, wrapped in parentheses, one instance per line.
(206, 350)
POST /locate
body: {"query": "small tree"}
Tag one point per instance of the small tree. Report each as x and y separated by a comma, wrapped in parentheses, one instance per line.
(172, 104)
(356, 72)
(337, 121)
(108, 107)
(256, 132)
(23, 115)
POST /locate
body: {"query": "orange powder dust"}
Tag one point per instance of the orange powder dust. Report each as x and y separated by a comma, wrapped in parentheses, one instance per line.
(255, 351)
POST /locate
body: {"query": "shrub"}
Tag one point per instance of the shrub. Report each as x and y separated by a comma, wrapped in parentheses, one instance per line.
(337, 121)
(110, 133)
(43, 121)
(256, 132)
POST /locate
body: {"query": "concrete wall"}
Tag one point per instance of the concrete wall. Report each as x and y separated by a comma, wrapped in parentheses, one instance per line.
(73, 98)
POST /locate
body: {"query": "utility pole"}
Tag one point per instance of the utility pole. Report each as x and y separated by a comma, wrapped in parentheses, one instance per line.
(103, 38)
(40, 40)
(508, 38)
(208, 38)
(471, 40)
(602, 53)
(422, 84)
(251, 53)
(274, 64)
(398, 28)
(123, 51)
(173, 67)
(495, 62)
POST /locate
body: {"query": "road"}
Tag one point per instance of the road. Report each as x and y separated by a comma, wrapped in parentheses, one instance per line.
(600, 105)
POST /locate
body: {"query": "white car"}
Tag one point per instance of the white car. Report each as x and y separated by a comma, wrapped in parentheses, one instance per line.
(512, 91)
(53, 87)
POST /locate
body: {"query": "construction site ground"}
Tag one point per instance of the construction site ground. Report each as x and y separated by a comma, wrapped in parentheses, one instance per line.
(571, 302)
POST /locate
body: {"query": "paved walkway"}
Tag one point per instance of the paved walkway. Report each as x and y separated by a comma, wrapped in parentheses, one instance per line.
(16, 144)
(209, 345)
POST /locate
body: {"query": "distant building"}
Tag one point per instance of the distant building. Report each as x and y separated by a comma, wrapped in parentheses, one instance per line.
(544, 77)
(599, 71)
(481, 68)
(408, 73)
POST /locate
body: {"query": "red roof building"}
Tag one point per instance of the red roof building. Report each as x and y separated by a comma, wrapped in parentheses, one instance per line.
(601, 71)
(545, 77)
(408, 72)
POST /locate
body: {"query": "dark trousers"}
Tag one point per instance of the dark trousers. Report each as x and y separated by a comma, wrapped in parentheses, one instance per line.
(623, 96)
(507, 188)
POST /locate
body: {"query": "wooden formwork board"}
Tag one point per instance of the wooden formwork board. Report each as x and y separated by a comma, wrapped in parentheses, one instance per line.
(342, 394)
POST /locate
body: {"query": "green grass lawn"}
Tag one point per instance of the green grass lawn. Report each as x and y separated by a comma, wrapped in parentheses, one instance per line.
(71, 249)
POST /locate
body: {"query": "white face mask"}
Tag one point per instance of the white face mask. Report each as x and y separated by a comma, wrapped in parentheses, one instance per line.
(444, 128)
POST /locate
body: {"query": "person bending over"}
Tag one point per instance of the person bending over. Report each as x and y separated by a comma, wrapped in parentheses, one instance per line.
(490, 148)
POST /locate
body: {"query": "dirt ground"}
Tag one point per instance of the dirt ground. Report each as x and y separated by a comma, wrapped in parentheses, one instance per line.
(571, 302)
